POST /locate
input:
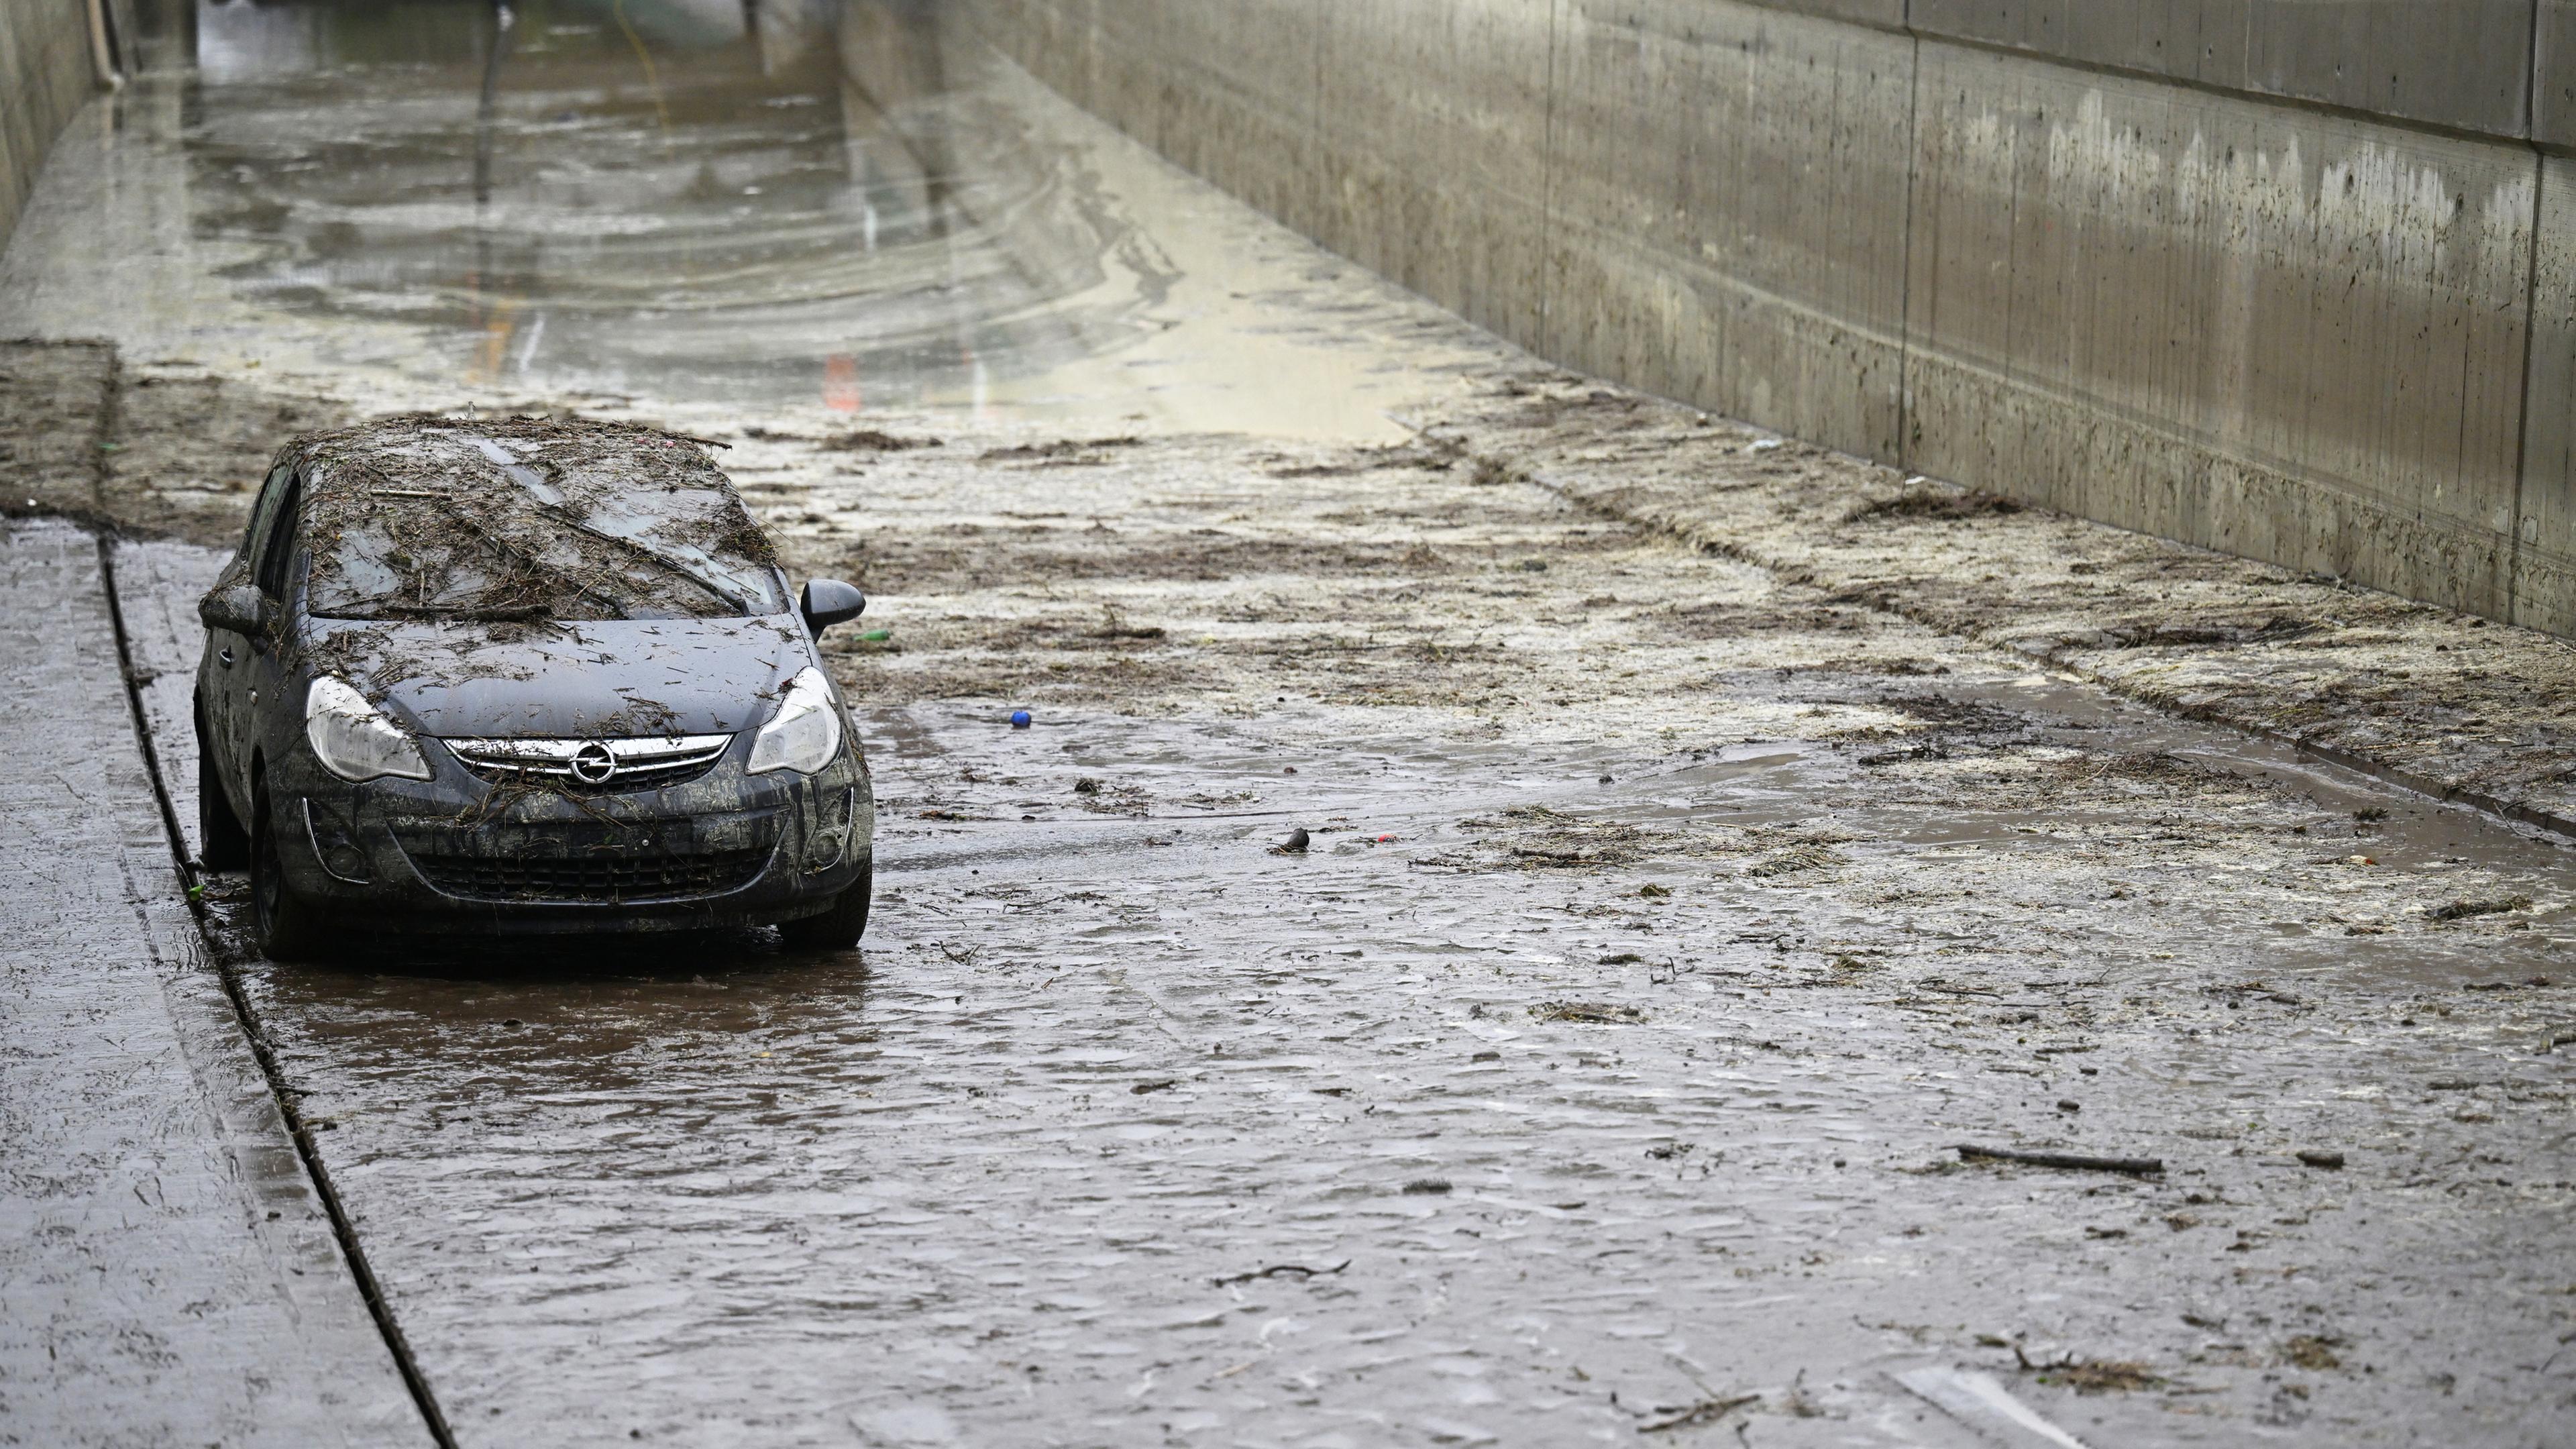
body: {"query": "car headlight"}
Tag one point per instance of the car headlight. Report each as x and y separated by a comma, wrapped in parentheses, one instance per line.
(805, 734)
(353, 739)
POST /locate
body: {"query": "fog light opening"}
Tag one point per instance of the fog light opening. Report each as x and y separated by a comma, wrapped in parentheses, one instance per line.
(335, 844)
(831, 833)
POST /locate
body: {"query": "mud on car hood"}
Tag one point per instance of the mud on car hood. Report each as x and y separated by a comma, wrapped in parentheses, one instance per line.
(592, 680)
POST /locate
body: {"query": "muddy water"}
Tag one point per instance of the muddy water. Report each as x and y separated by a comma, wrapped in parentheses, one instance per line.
(1593, 1075)
(856, 205)
(998, 1179)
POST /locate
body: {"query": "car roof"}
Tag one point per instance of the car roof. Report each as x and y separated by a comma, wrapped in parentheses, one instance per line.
(574, 504)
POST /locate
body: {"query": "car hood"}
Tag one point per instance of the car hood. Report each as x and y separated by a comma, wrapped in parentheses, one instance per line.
(601, 680)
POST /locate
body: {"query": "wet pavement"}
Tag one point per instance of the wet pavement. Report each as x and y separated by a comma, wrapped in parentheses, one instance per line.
(169, 1275)
(1595, 1074)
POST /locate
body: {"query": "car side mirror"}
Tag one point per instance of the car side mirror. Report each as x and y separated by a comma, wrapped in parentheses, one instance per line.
(827, 602)
(241, 609)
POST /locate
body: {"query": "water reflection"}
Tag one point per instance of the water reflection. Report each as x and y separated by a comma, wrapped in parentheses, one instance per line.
(701, 199)
(754, 204)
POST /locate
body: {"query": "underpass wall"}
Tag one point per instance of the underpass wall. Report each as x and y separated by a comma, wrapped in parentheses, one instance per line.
(2545, 551)
(47, 69)
(2286, 278)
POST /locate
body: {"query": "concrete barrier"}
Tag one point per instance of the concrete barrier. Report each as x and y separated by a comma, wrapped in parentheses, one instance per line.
(2287, 278)
(2464, 64)
(48, 67)
(1728, 212)
(2266, 330)
(2545, 538)
(2553, 79)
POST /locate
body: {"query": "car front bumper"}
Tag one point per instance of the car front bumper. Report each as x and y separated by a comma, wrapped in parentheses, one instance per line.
(457, 853)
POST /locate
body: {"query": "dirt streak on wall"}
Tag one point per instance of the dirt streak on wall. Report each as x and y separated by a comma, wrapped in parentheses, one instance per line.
(2285, 279)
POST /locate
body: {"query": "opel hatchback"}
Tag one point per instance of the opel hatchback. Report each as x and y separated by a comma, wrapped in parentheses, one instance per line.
(523, 675)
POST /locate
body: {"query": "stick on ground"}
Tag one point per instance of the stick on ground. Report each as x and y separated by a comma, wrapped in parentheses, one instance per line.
(2134, 1166)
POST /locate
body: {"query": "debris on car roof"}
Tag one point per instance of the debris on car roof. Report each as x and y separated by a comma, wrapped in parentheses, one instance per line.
(422, 516)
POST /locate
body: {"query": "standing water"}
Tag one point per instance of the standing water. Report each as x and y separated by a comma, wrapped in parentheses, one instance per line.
(765, 203)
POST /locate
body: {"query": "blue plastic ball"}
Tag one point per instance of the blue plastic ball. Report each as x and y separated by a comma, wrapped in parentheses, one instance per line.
(1019, 719)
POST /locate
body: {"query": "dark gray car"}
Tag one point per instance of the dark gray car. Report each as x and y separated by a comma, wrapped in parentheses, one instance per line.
(521, 675)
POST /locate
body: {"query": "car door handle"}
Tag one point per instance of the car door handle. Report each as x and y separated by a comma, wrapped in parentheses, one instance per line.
(224, 657)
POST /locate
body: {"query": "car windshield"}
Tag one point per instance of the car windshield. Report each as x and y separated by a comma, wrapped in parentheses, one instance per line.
(421, 517)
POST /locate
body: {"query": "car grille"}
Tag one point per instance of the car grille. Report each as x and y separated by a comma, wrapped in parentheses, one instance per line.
(574, 765)
(629, 876)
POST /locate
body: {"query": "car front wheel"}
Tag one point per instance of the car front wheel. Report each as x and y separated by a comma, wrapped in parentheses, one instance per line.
(839, 928)
(289, 927)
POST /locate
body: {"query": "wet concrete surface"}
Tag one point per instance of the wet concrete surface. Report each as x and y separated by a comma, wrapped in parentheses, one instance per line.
(1595, 1074)
(167, 1272)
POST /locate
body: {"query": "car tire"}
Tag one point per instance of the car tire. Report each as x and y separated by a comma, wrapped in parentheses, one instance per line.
(287, 927)
(222, 843)
(839, 928)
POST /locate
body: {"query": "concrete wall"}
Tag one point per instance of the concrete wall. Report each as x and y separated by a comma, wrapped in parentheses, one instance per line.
(2461, 63)
(1728, 217)
(2270, 331)
(2553, 81)
(47, 69)
(2290, 278)
(2545, 542)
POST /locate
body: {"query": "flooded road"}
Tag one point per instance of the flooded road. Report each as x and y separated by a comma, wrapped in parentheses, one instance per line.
(1599, 1066)
(1598, 1070)
(858, 206)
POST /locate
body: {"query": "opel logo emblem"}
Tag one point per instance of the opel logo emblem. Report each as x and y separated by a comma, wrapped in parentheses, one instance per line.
(592, 764)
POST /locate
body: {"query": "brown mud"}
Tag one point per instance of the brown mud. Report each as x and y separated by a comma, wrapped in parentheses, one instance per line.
(2440, 701)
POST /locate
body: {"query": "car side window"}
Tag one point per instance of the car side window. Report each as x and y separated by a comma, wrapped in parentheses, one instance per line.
(278, 548)
(263, 510)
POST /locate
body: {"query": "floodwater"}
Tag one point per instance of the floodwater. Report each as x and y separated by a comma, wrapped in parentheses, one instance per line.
(852, 205)
(1127, 1130)
(1596, 1075)
(1598, 1067)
